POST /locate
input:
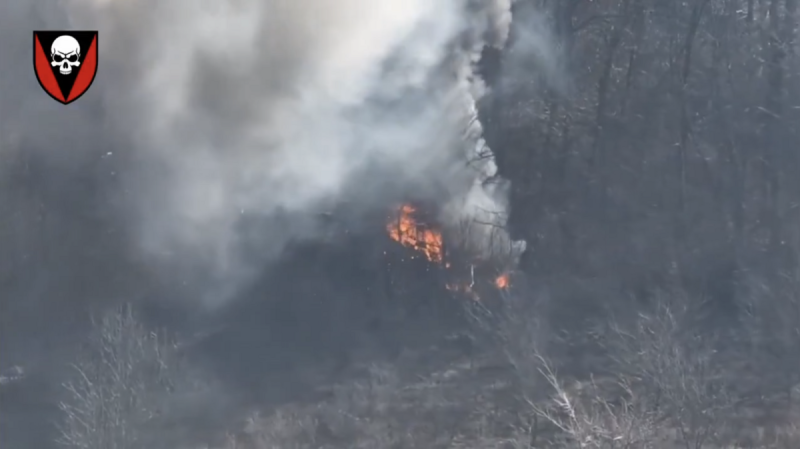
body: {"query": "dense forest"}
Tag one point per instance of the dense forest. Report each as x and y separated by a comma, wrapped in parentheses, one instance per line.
(649, 151)
(670, 150)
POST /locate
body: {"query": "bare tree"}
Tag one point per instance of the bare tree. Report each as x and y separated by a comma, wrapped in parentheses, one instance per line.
(591, 421)
(672, 365)
(118, 385)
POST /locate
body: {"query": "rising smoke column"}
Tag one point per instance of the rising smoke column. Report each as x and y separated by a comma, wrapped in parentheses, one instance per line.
(248, 114)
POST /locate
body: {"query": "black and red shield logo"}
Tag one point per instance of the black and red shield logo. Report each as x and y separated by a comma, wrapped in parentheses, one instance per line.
(65, 62)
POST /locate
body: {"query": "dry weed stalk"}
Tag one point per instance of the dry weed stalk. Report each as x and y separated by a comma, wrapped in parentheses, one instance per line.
(280, 430)
(360, 415)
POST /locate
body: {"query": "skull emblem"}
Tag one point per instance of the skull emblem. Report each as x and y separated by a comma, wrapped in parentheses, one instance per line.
(65, 53)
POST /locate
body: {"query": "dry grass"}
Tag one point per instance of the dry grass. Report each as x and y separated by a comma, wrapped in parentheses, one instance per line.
(667, 389)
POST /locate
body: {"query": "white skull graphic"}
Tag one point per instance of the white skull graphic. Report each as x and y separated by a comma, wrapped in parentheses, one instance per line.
(65, 53)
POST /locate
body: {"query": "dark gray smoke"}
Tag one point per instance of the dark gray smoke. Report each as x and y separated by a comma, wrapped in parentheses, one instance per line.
(241, 120)
(215, 134)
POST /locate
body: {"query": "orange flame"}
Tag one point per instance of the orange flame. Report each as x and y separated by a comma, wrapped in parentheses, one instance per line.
(406, 231)
(503, 281)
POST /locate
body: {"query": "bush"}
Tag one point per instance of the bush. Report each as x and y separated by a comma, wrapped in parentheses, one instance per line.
(119, 383)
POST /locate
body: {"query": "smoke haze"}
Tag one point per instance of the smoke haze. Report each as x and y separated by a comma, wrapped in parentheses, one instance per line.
(243, 119)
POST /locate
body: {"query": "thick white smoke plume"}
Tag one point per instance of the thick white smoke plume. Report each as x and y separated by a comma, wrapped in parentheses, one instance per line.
(250, 109)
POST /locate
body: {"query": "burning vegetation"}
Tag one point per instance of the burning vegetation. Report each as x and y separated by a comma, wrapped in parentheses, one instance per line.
(407, 229)
(503, 281)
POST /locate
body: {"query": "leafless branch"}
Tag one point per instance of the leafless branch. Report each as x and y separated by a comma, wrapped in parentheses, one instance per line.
(118, 385)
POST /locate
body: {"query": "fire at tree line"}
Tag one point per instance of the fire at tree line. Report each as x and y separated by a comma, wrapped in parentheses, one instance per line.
(654, 176)
(405, 229)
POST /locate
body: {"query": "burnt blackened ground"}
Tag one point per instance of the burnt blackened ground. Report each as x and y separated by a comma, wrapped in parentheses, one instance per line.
(325, 308)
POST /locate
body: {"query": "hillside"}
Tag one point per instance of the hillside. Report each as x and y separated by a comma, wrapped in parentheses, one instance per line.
(489, 224)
